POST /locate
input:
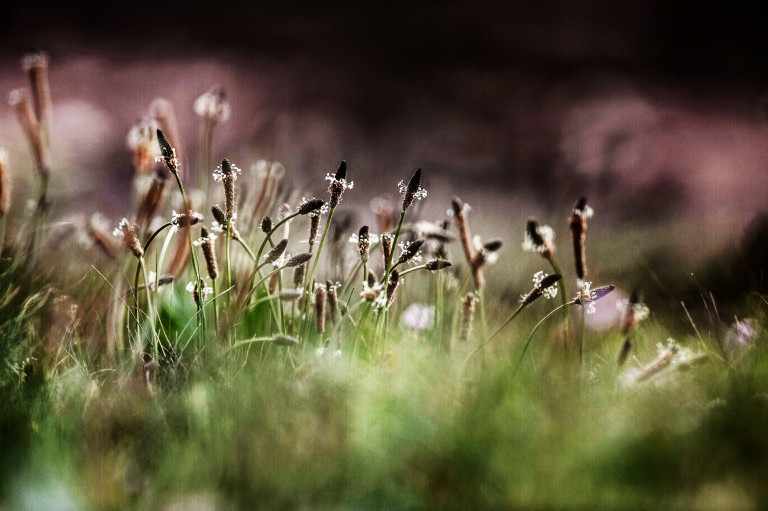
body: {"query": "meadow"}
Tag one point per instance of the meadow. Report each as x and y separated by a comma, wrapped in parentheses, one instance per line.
(235, 343)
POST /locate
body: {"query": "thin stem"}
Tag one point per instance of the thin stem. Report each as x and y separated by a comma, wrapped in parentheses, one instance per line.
(269, 235)
(215, 309)
(563, 291)
(314, 269)
(229, 269)
(541, 322)
(488, 340)
(246, 248)
(582, 334)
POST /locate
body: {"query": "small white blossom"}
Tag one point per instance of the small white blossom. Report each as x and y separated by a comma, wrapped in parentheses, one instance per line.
(587, 212)
(345, 185)
(372, 238)
(205, 239)
(403, 246)
(466, 208)
(121, 228)
(217, 227)
(212, 105)
(206, 290)
(490, 257)
(218, 174)
(421, 193)
(547, 234)
(549, 292)
(418, 317)
(322, 210)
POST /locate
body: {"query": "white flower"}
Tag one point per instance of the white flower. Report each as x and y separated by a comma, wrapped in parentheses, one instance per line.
(490, 257)
(191, 288)
(549, 292)
(372, 293)
(547, 234)
(343, 182)
(372, 238)
(218, 174)
(212, 105)
(466, 208)
(403, 246)
(418, 317)
(205, 239)
(420, 193)
(121, 228)
(587, 212)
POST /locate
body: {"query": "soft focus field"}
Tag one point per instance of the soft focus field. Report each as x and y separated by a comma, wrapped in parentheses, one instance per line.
(398, 411)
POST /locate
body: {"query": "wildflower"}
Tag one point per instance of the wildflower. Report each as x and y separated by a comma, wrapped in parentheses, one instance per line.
(130, 238)
(539, 239)
(577, 223)
(220, 224)
(320, 295)
(142, 140)
(372, 289)
(314, 228)
(410, 251)
(543, 285)
(199, 291)
(588, 296)
(274, 255)
(167, 153)
(298, 259)
(185, 220)
(313, 206)
(437, 264)
(206, 241)
(213, 105)
(364, 238)
(418, 317)
(412, 191)
(486, 252)
(386, 247)
(339, 184)
(634, 311)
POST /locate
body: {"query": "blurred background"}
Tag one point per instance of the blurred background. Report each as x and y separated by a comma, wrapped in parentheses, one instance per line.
(656, 111)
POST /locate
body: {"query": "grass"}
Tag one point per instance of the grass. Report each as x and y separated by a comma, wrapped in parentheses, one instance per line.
(110, 404)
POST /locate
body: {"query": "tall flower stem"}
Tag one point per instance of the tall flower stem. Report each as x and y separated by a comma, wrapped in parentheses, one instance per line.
(563, 292)
(139, 267)
(314, 269)
(535, 328)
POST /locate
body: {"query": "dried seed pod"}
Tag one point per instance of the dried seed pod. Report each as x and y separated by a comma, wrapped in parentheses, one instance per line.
(410, 251)
(298, 274)
(338, 185)
(437, 264)
(152, 201)
(19, 101)
(320, 295)
(310, 206)
(467, 314)
(363, 243)
(228, 182)
(386, 247)
(371, 278)
(298, 259)
(266, 225)
(394, 280)
(274, 280)
(130, 238)
(538, 289)
(209, 253)
(414, 185)
(274, 254)
(36, 65)
(314, 227)
(577, 223)
(186, 219)
(333, 300)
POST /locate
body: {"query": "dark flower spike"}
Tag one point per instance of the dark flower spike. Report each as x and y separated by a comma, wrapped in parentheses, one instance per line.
(538, 289)
(311, 206)
(394, 279)
(363, 242)
(274, 254)
(298, 259)
(185, 220)
(341, 172)
(165, 147)
(626, 347)
(437, 264)
(493, 245)
(410, 251)
(371, 278)
(219, 215)
(338, 184)
(532, 228)
(414, 185)
(298, 274)
(266, 225)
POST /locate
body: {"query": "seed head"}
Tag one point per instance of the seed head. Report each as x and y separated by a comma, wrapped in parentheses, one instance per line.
(314, 227)
(298, 259)
(394, 279)
(186, 219)
(274, 254)
(168, 153)
(298, 274)
(386, 247)
(311, 206)
(210, 254)
(437, 264)
(320, 295)
(338, 184)
(577, 223)
(221, 222)
(266, 225)
(19, 101)
(36, 65)
(413, 191)
(274, 280)
(333, 300)
(130, 238)
(213, 105)
(542, 285)
(410, 251)
(363, 243)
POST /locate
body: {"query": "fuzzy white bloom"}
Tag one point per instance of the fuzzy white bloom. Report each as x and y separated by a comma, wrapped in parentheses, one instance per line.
(490, 257)
(403, 246)
(418, 317)
(587, 212)
(217, 227)
(218, 173)
(206, 290)
(421, 193)
(466, 208)
(212, 236)
(547, 234)
(639, 309)
(213, 106)
(372, 238)
(372, 293)
(345, 185)
(549, 292)
(121, 227)
(585, 295)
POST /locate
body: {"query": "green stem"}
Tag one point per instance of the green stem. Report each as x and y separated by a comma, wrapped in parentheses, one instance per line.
(541, 322)
(229, 269)
(314, 269)
(563, 292)
(269, 236)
